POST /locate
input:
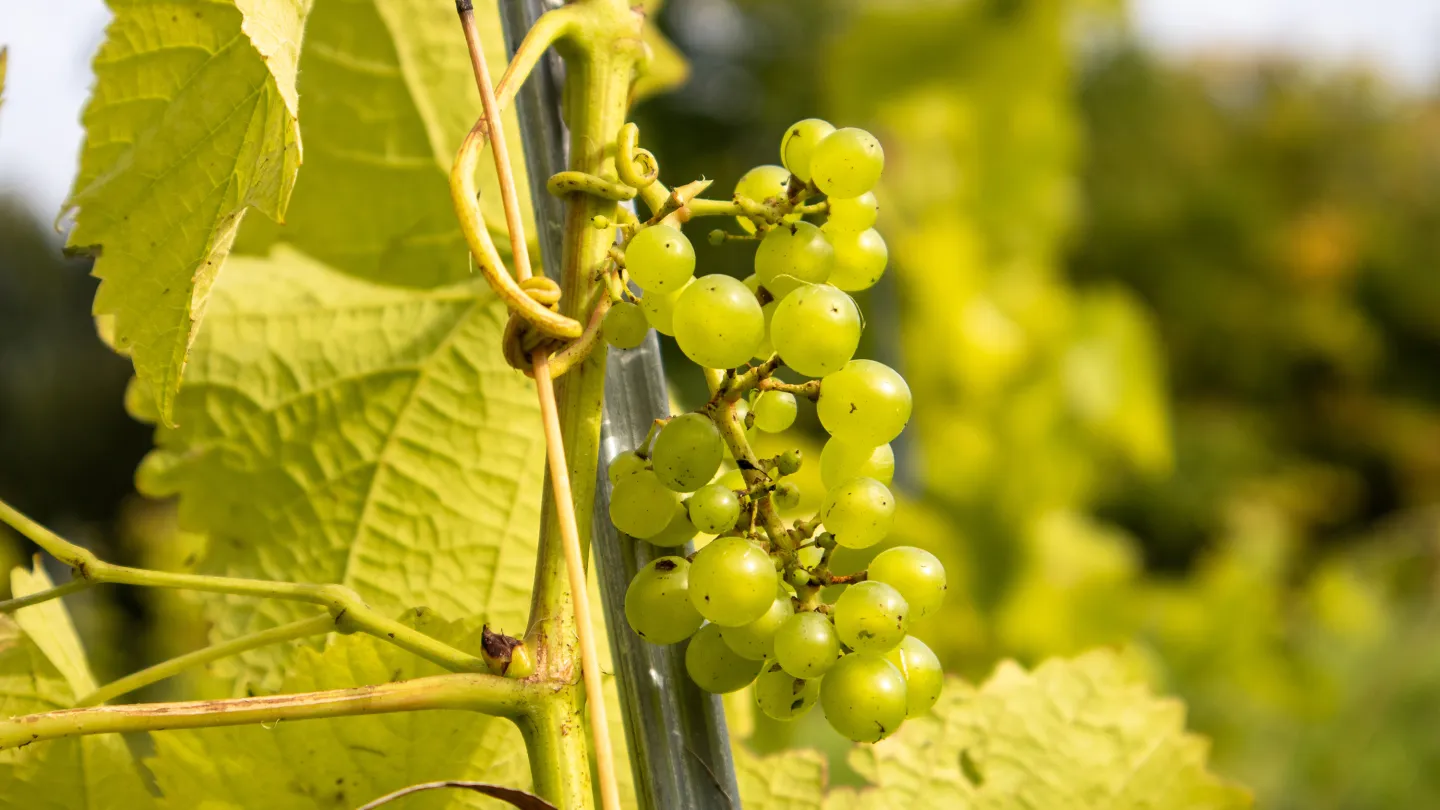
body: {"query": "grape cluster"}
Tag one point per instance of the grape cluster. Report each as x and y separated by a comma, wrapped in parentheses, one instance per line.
(750, 600)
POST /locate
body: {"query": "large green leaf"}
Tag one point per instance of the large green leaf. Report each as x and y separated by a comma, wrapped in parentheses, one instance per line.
(1079, 734)
(41, 669)
(345, 762)
(336, 430)
(389, 94)
(192, 123)
(790, 780)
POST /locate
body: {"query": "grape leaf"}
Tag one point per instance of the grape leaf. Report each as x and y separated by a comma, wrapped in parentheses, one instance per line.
(192, 123)
(1072, 735)
(790, 780)
(345, 762)
(389, 95)
(42, 666)
(337, 430)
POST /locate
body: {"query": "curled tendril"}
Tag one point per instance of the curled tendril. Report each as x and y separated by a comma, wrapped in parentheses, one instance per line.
(628, 155)
(572, 182)
(521, 339)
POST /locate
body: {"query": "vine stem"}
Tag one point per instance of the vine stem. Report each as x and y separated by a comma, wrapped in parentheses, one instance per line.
(490, 694)
(554, 443)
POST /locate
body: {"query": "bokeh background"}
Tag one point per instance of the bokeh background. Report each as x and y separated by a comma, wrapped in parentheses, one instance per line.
(1165, 279)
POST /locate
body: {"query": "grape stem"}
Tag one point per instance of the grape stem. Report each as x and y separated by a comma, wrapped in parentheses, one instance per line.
(808, 390)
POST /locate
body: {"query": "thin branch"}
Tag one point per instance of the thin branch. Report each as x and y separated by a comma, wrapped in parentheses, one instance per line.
(12, 605)
(490, 694)
(512, 796)
(554, 444)
(349, 611)
(312, 626)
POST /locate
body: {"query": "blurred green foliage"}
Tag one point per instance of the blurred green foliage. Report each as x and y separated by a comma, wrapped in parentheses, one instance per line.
(1172, 330)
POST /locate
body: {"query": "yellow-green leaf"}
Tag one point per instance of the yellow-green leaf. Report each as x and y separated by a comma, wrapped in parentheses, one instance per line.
(337, 430)
(790, 780)
(40, 666)
(191, 124)
(389, 95)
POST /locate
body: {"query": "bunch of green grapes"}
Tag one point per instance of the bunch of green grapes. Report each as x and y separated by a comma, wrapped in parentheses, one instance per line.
(749, 602)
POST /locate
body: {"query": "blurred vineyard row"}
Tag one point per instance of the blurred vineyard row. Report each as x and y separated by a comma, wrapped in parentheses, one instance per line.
(1174, 334)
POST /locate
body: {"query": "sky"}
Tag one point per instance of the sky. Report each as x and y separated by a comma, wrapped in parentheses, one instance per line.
(51, 42)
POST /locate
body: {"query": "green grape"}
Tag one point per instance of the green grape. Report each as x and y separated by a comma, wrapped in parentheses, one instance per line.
(783, 696)
(732, 581)
(625, 325)
(816, 330)
(775, 411)
(924, 678)
(657, 603)
(863, 697)
(687, 452)
(756, 640)
(752, 283)
(718, 322)
(799, 144)
(860, 258)
(659, 308)
(806, 645)
(915, 573)
(765, 348)
(624, 464)
(677, 532)
(871, 617)
(859, 512)
(641, 506)
(865, 403)
(841, 460)
(791, 256)
(787, 496)
(714, 667)
(714, 508)
(854, 213)
(760, 184)
(788, 462)
(733, 479)
(660, 258)
(847, 163)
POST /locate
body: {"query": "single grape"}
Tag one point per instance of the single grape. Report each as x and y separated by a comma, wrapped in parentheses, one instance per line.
(860, 258)
(915, 573)
(847, 163)
(657, 602)
(714, 508)
(788, 462)
(791, 256)
(871, 617)
(865, 403)
(732, 581)
(923, 676)
(641, 506)
(756, 640)
(816, 330)
(752, 283)
(854, 213)
(625, 325)
(660, 258)
(718, 322)
(783, 696)
(760, 184)
(624, 464)
(863, 697)
(841, 460)
(787, 496)
(775, 411)
(714, 667)
(677, 532)
(733, 479)
(859, 512)
(659, 308)
(799, 144)
(687, 452)
(806, 645)
(765, 347)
